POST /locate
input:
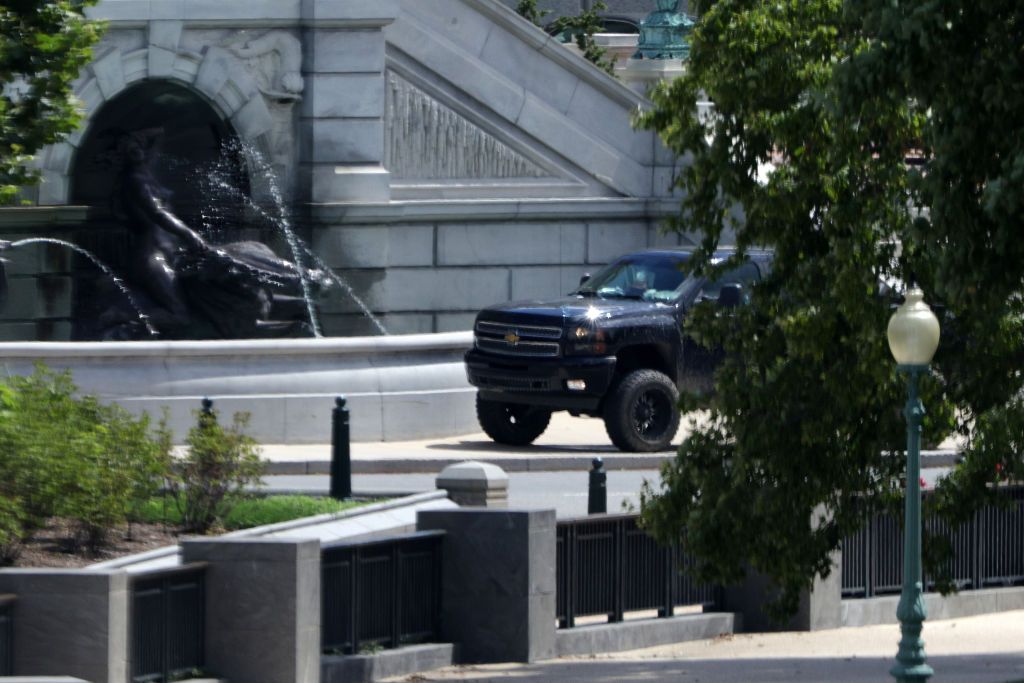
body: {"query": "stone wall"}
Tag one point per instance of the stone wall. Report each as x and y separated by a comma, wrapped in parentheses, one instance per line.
(433, 274)
(38, 301)
(441, 156)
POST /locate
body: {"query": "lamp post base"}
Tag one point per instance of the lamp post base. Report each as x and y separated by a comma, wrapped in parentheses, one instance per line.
(910, 659)
(911, 674)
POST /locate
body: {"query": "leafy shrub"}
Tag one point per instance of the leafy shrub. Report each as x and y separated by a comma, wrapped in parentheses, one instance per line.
(12, 527)
(216, 471)
(69, 456)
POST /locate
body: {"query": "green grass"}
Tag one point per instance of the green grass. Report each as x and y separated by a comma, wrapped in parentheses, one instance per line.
(249, 512)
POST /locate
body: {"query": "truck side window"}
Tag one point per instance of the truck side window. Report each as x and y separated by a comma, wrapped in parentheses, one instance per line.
(745, 276)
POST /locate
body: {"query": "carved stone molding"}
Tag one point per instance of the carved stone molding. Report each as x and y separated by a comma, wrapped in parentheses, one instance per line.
(427, 140)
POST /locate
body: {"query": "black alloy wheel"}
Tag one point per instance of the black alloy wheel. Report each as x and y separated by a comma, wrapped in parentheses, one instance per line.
(512, 424)
(641, 414)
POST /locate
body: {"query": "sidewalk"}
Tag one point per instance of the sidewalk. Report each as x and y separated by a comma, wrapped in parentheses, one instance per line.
(568, 444)
(981, 649)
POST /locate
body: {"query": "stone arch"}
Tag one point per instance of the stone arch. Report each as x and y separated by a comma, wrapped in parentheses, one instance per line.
(194, 140)
(215, 74)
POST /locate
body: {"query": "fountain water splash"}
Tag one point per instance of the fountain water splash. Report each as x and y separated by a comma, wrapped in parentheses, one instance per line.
(267, 173)
(337, 279)
(106, 270)
(295, 243)
(317, 261)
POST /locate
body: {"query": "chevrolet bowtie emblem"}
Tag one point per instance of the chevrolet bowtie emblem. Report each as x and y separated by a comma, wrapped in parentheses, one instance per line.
(512, 338)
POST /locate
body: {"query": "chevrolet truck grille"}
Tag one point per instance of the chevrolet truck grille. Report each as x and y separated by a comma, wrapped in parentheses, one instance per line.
(529, 341)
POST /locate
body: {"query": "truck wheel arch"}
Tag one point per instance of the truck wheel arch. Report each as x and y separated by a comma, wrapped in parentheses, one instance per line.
(645, 357)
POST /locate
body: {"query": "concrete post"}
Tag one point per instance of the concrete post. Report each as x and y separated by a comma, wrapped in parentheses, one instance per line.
(477, 484)
(341, 130)
(262, 608)
(820, 607)
(70, 622)
(498, 592)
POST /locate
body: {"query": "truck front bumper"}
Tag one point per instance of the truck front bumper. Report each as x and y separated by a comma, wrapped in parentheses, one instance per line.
(541, 382)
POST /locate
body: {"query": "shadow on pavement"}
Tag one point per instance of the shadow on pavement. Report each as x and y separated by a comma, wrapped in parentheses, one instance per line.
(996, 668)
(492, 447)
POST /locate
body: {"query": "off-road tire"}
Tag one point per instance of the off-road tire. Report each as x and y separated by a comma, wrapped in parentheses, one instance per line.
(641, 413)
(512, 424)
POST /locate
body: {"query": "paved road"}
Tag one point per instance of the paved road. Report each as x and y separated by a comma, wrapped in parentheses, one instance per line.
(566, 492)
(552, 473)
(994, 668)
(982, 649)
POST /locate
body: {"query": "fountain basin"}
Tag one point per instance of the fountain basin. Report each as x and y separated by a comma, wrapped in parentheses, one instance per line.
(398, 387)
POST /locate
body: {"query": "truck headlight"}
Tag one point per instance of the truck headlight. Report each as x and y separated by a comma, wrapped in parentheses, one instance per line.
(584, 341)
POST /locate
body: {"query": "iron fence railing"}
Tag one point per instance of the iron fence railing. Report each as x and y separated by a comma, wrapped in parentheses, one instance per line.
(381, 592)
(988, 551)
(7, 635)
(607, 565)
(168, 616)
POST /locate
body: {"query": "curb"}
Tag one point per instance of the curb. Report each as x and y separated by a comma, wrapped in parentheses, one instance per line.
(557, 463)
(522, 462)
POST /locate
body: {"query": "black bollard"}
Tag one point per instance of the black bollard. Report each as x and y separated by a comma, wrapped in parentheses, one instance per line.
(597, 498)
(206, 415)
(341, 456)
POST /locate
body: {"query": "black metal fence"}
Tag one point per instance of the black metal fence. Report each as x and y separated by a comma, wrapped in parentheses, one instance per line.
(381, 593)
(607, 565)
(988, 551)
(7, 635)
(168, 616)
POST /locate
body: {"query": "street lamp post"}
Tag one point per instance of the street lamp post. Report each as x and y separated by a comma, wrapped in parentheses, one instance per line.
(913, 337)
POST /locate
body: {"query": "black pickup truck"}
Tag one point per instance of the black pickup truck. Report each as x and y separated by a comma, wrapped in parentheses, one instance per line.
(614, 349)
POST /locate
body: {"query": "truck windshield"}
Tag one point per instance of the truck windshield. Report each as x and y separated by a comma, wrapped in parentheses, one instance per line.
(651, 277)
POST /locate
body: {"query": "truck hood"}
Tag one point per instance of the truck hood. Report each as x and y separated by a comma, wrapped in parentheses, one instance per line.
(568, 309)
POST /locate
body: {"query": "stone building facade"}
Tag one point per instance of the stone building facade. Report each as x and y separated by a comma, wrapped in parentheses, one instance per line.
(440, 155)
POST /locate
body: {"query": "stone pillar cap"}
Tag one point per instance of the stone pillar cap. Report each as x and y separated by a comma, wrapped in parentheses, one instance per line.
(472, 471)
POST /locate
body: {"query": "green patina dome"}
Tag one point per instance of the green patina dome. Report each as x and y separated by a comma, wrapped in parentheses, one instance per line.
(664, 33)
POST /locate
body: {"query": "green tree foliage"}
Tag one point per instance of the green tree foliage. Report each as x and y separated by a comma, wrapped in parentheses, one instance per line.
(834, 95)
(70, 456)
(582, 28)
(528, 10)
(961, 66)
(219, 467)
(43, 45)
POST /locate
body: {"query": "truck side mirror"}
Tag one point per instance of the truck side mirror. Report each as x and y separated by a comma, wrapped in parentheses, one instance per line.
(730, 295)
(584, 278)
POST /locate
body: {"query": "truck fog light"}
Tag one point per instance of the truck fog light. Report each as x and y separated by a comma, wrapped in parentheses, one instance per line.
(576, 384)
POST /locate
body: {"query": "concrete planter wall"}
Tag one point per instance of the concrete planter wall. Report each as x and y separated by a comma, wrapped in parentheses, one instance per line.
(398, 387)
(498, 604)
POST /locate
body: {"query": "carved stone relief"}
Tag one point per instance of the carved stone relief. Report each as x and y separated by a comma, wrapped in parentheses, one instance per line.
(427, 140)
(274, 59)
